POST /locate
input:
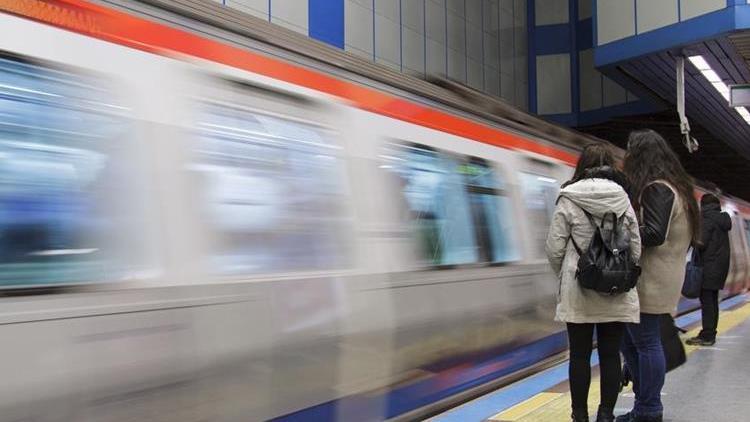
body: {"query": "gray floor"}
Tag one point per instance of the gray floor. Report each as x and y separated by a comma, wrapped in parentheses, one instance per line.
(713, 386)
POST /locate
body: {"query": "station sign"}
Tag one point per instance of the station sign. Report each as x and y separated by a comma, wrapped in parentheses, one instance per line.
(739, 95)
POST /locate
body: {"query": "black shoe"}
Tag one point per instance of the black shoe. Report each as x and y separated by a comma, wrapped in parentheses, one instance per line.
(580, 416)
(605, 415)
(699, 341)
(629, 417)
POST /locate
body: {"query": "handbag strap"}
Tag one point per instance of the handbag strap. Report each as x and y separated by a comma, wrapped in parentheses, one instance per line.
(696, 257)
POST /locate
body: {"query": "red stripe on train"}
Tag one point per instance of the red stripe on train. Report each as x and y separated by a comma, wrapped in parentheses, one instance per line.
(121, 28)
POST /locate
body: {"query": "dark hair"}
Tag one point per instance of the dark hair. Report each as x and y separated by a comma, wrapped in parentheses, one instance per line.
(649, 158)
(710, 198)
(592, 156)
(710, 186)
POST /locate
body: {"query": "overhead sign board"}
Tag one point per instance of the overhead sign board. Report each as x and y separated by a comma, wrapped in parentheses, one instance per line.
(739, 95)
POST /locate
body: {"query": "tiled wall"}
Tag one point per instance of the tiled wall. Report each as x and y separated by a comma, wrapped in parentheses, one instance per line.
(618, 19)
(568, 85)
(553, 84)
(596, 90)
(290, 14)
(482, 43)
(479, 42)
(551, 12)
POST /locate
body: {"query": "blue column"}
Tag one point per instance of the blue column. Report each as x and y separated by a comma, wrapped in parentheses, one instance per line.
(326, 21)
(530, 53)
(575, 79)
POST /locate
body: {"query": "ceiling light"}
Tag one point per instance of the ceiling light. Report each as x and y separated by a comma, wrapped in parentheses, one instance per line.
(699, 62)
(711, 76)
(744, 113)
(722, 88)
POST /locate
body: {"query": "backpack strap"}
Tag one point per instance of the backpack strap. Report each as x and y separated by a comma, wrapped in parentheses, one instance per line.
(590, 217)
(593, 224)
(591, 220)
(575, 245)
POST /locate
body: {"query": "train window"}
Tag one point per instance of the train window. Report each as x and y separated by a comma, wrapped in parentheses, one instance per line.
(273, 192)
(63, 191)
(432, 185)
(539, 194)
(457, 205)
(491, 209)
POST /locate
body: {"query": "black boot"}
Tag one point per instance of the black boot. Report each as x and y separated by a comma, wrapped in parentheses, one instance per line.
(605, 415)
(630, 417)
(654, 418)
(700, 341)
(580, 416)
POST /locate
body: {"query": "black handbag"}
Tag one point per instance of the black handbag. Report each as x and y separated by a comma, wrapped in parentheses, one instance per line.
(674, 350)
(691, 287)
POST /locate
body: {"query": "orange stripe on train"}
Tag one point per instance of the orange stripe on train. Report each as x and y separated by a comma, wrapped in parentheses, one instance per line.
(124, 29)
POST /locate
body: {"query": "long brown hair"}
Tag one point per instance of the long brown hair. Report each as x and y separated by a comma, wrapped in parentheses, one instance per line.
(592, 156)
(649, 158)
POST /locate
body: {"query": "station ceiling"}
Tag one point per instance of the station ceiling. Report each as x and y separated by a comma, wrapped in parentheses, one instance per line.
(724, 136)
(715, 161)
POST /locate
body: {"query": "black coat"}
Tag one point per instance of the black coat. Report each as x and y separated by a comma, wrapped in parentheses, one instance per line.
(715, 249)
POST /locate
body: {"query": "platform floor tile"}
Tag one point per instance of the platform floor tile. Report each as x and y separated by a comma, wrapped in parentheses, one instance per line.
(554, 404)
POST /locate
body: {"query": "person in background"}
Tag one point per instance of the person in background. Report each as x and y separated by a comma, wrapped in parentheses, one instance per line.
(595, 188)
(715, 256)
(669, 221)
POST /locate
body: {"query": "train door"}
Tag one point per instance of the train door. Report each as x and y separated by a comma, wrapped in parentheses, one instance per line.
(744, 221)
(269, 180)
(739, 265)
(267, 194)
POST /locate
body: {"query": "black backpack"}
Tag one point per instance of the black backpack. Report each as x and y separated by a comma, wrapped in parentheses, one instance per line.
(606, 266)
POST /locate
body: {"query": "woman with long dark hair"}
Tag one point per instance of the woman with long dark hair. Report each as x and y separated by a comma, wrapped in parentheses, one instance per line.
(662, 194)
(596, 189)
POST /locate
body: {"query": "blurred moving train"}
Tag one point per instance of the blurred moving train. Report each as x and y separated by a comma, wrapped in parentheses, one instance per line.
(198, 226)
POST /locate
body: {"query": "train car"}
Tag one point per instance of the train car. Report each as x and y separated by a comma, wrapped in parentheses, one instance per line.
(198, 224)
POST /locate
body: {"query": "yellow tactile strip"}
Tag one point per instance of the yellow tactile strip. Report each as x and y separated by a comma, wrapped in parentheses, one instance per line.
(555, 406)
(525, 407)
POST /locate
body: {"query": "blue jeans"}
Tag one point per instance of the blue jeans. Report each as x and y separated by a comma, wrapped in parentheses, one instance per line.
(641, 347)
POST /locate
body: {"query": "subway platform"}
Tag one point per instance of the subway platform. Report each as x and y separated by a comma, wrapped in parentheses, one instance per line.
(711, 386)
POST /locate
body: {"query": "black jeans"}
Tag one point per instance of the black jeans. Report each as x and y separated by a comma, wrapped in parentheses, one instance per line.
(580, 338)
(709, 314)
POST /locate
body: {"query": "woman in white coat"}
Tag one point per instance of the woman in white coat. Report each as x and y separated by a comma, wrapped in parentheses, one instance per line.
(596, 188)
